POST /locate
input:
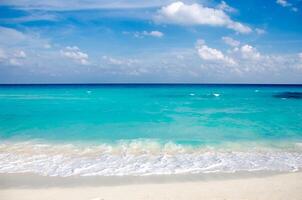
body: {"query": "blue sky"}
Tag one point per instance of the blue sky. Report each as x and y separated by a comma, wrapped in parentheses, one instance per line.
(103, 41)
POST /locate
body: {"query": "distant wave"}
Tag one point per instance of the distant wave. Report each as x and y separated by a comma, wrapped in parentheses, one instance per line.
(139, 158)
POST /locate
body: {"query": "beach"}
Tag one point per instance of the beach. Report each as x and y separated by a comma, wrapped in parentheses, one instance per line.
(237, 186)
(150, 100)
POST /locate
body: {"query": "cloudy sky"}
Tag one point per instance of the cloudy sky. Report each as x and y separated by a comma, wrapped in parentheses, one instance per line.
(198, 41)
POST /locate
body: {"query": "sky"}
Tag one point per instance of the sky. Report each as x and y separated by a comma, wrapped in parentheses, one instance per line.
(154, 41)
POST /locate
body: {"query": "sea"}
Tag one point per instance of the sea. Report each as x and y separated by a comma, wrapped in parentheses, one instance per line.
(149, 129)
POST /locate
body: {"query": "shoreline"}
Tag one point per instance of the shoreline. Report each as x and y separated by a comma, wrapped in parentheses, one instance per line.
(239, 185)
(144, 158)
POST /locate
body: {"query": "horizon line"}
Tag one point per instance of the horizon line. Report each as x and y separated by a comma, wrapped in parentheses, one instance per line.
(182, 83)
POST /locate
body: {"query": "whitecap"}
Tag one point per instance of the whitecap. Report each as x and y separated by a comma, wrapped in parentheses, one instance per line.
(216, 94)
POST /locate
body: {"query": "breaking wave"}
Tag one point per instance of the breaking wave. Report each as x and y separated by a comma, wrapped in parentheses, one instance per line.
(140, 158)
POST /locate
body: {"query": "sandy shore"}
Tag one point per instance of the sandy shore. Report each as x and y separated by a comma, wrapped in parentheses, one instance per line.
(253, 186)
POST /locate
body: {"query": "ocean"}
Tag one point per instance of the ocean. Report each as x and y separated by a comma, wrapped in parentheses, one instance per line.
(147, 129)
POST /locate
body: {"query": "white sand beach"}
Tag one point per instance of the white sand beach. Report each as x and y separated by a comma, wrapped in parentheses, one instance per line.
(253, 186)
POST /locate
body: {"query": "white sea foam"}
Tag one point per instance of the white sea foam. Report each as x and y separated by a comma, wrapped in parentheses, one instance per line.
(216, 94)
(138, 158)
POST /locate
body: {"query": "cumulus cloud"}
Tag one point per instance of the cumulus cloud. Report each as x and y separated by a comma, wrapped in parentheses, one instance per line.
(28, 50)
(74, 53)
(244, 59)
(248, 52)
(12, 57)
(230, 41)
(210, 54)
(249, 64)
(20, 48)
(197, 14)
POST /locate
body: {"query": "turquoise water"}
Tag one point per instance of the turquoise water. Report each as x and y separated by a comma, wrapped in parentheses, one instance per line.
(184, 118)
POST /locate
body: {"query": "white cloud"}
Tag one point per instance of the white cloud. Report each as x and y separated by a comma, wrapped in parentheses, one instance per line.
(246, 52)
(47, 46)
(249, 52)
(112, 61)
(230, 41)
(14, 62)
(2, 55)
(299, 65)
(196, 14)
(17, 58)
(20, 54)
(210, 54)
(32, 16)
(14, 58)
(72, 48)
(75, 54)
(224, 6)
(260, 31)
(29, 50)
(153, 34)
(80, 4)
(250, 64)
(142, 34)
(285, 3)
(123, 66)
(11, 36)
(209, 66)
(246, 60)
(119, 61)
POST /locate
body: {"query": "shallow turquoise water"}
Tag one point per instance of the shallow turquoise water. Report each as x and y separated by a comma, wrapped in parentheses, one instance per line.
(137, 122)
(183, 114)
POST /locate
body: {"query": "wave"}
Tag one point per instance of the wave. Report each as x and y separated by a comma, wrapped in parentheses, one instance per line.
(139, 158)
